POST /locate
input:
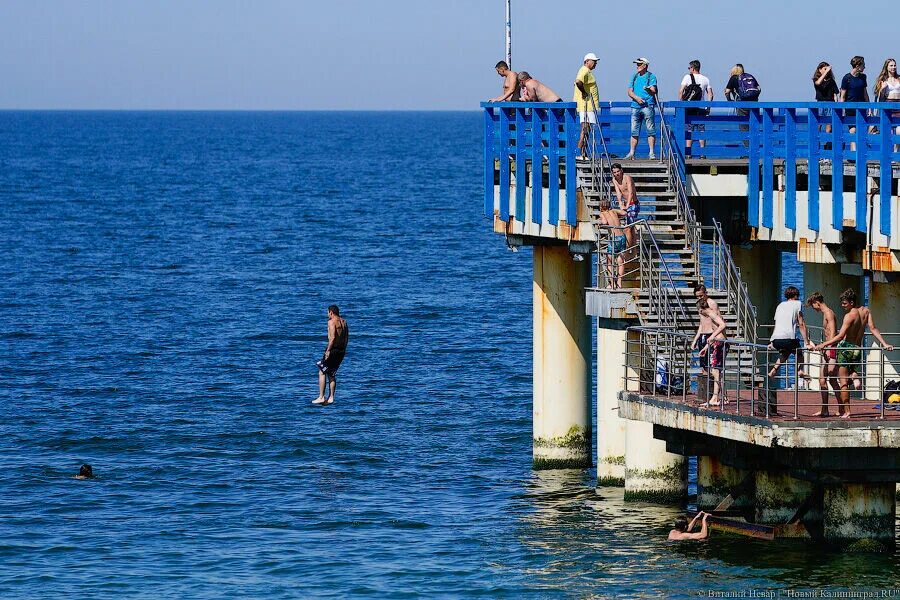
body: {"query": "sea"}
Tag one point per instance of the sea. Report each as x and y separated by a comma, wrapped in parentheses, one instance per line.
(164, 282)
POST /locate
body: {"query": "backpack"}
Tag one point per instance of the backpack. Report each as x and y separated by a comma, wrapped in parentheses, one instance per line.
(891, 388)
(665, 381)
(748, 87)
(692, 92)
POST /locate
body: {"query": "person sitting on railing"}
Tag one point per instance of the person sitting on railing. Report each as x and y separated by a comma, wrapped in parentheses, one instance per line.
(714, 348)
(620, 240)
(532, 90)
(848, 342)
(625, 193)
(510, 83)
(587, 97)
(789, 318)
(829, 371)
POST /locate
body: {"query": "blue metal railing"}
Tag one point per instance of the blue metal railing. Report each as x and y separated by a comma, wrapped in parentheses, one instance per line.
(794, 133)
(539, 133)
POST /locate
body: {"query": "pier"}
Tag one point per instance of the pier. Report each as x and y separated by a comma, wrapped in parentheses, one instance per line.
(775, 180)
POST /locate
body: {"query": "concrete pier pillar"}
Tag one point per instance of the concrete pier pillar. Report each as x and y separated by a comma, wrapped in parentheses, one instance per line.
(828, 279)
(884, 300)
(651, 473)
(562, 360)
(855, 511)
(760, 268)
(715, 480)
(778, 495)
(611, 344)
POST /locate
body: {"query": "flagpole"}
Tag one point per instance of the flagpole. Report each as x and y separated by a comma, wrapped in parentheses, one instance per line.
(508, 35)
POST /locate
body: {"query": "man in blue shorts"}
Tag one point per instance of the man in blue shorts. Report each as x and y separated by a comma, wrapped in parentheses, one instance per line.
(642, 92)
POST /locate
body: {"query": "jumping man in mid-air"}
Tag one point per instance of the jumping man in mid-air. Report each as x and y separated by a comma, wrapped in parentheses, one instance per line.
(338, 334)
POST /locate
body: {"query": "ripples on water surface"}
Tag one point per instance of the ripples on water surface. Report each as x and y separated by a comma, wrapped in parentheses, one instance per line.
(163, 284)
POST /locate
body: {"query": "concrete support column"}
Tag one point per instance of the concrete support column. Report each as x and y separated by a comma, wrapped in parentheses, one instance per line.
(828, 279)
(611, 344)
(884, 302)
(651, 473)
(715, 481)
(856, 511)
(562, 360)
(778, 496)
(760, 268)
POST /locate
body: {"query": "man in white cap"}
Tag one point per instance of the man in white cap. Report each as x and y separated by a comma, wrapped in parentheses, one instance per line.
(642, 92)
(587, 97)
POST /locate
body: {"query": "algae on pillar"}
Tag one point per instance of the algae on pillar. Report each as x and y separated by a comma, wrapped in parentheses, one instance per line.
(611, 343)
(651, 473)
(562, 360)
(857, 512)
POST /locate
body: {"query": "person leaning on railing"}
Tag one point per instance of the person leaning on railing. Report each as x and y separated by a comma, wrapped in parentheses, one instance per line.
(826, 91)
(586, 97)
(532, 90)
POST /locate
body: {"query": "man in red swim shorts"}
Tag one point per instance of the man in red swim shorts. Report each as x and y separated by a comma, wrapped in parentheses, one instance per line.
(829, 372)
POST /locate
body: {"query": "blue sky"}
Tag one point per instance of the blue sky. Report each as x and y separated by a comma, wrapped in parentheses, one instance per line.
(405, 54)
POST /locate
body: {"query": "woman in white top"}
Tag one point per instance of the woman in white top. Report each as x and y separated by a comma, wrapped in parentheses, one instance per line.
(887, 88)
(788, 318)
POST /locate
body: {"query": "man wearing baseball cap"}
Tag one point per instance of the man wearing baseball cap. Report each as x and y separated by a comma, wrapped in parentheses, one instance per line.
(587, 97)
(642, 92)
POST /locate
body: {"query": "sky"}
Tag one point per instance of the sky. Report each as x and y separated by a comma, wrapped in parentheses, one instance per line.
(408, 54)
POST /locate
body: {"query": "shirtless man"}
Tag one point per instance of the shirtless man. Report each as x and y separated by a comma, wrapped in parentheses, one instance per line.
(533, 90)
(682, 529)
(510, 83)
(619, 241)
(847, 342)
(626, 193)
(866, 315)
(829, 370)
(338, 334)
(714, 348)
(706, 327)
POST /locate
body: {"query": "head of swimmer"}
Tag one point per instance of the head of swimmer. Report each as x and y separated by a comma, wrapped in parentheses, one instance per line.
(85, 472)
(680, 524)
(334, 311)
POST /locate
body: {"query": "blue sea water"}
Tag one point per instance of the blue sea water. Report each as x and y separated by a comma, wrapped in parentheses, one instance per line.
(164, 279)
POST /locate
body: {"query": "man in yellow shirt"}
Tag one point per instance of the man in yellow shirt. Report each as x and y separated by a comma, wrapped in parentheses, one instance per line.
(587, 97)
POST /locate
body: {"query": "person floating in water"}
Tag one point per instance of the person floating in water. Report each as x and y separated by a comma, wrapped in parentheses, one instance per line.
(682, 529)
(85, 472)
(338, 334)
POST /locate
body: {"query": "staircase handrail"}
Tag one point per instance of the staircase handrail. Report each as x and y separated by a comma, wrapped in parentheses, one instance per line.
(725, 270)
(734, 286)
(663, 302)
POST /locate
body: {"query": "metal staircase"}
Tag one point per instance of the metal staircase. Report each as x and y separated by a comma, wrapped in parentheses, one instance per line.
(671, 251)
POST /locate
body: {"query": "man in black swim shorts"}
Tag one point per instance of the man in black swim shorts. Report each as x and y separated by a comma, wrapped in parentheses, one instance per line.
(338, 334)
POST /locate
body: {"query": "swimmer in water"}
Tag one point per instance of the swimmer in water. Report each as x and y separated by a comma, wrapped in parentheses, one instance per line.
(682, 529)
(85, 472)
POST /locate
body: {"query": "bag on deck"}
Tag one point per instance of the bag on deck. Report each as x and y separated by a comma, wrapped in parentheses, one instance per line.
(891, 390)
